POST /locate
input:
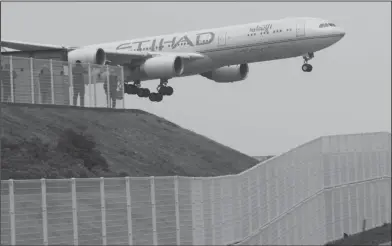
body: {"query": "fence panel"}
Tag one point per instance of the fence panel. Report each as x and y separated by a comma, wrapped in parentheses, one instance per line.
(142, 211)
(166, 223)
(42, 79)
(59, 211)
(21, 77)
(245, 205)
(237, 208)
(5, 214)
(61, 83)
(228, 219)
(116, 211)
(28, 212)
(207, 210)
(108, 86)
(185, 210)
(89, 216)
(267, 205)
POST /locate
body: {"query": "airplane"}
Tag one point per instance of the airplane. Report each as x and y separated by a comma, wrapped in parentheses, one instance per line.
(219, 54)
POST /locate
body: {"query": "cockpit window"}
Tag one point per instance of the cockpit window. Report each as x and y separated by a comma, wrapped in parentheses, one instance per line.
(326, 25)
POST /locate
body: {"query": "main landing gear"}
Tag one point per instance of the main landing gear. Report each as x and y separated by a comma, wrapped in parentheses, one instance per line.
(162, 90)
(307, 67)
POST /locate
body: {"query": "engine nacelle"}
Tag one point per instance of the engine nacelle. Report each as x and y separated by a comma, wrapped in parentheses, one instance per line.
(163, 67)
(228, 74)
(90, 55)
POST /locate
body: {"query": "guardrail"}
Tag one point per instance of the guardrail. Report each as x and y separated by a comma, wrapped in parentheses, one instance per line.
(38, 81)
(309, 195)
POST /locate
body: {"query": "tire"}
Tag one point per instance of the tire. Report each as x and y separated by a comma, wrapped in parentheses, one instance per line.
(169, 91)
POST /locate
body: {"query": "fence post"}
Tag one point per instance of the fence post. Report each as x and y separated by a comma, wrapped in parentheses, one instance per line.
(74, 212)
(51, 80)
(123, 86)
(249, 205)
(32, 79)
(89, 85)
(154, 218)
(108, 88)
(12, 80)
(44, 211)
(177, 206)
(103, 210)
(129, 209)
(258, 197)
(71, 89)
(212, 183)
(95, 92)
(12, 211)
(239, 202)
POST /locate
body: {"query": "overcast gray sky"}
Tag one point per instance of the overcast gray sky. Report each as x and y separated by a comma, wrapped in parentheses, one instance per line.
(278, 106)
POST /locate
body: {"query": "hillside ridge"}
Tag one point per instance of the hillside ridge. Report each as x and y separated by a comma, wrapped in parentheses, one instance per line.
(51, 141)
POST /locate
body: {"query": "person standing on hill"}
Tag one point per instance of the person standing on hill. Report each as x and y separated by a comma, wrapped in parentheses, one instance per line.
(78, 83)
(113, 82)
(45, 86)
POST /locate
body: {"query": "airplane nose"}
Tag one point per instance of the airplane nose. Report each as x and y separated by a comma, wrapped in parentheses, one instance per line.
(340, 31)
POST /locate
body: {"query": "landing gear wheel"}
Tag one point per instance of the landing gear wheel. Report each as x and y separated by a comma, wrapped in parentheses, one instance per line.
(143, 92)
(165, 90)
(131, 89)
(307, 67)
(155, 97)
(169, 91)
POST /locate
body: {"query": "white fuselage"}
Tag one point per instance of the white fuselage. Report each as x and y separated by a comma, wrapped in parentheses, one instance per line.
(249, 43)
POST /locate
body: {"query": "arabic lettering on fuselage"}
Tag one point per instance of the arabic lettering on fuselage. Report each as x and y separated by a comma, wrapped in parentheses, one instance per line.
(158, 44)
(261, 28)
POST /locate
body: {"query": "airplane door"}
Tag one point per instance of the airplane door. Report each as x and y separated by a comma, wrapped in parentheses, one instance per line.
(301, 28)
(222, 39)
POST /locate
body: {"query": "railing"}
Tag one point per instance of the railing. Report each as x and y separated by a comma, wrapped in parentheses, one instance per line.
(36, 81)
(309, 195)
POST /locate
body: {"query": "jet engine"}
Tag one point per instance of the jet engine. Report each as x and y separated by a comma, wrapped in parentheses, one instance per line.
(90, 55)
(163, 67)
(228, 74)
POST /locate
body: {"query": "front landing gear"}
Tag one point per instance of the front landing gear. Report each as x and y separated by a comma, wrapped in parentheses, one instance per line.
(307, 67)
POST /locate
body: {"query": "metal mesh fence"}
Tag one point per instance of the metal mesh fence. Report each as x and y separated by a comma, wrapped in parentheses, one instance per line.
(40, 81)
(275, 202)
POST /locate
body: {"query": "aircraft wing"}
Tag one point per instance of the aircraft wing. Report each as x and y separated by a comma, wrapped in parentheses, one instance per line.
(27, 46)
(115, 56)
(121, 56)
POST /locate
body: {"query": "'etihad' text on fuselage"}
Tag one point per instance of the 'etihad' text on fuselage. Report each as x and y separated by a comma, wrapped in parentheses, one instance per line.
(201, 39)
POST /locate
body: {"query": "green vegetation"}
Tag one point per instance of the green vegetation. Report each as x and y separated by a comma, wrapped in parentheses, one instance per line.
(62, 142)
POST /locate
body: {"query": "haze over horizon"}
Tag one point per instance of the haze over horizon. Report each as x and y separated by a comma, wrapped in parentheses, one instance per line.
(278, 107)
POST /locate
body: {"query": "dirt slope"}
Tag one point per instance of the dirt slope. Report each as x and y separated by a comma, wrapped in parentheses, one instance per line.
(60, 142)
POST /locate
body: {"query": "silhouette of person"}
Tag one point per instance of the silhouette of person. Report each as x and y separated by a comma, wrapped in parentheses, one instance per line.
(5, 87)
(113, 81)
(78, 83)
(45, 85)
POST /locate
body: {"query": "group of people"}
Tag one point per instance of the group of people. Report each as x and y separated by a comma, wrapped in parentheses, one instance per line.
(79, 83)
(112, 79)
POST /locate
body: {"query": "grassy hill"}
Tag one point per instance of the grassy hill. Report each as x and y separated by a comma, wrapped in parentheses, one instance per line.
(61, 142)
